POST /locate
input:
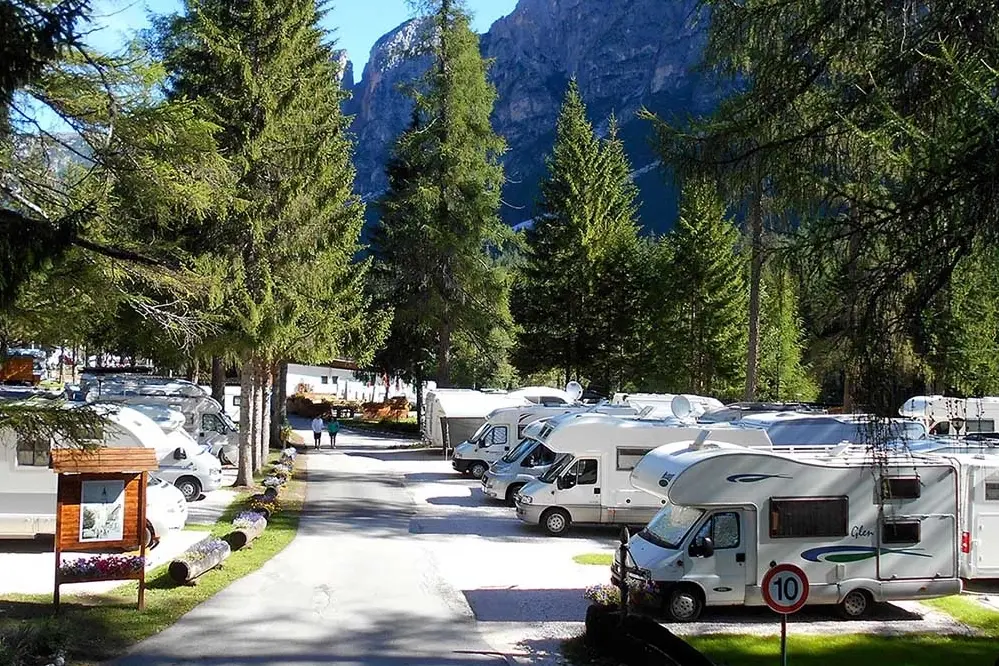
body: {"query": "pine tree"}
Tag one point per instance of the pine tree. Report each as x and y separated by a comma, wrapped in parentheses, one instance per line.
(585, 268)
(783, 375)
(702, 327)
(440, 222)
(267, 76)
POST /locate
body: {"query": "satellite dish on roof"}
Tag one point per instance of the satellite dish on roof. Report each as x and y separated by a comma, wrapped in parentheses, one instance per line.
(574, 389)
(681, 407)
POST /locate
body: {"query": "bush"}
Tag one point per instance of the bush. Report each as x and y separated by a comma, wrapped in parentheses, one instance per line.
(43, 642)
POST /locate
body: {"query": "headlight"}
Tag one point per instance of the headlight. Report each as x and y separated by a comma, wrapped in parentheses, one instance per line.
(525, 499)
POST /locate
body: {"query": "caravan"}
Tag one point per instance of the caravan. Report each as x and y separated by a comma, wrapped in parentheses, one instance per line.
(504, 428)
(28, 486)
(863, 532)
(589, 479)
(953, 416)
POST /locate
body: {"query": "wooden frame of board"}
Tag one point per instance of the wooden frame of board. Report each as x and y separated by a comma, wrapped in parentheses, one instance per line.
(107, 467)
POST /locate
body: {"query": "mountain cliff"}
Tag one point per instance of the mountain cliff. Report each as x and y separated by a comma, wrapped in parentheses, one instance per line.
(625, 54)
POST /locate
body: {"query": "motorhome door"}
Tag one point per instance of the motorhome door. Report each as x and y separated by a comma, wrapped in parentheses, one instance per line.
(579, 490)
(985, 522)
(723, 574)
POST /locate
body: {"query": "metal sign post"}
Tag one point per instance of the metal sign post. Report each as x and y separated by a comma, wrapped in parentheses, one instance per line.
(785, 591)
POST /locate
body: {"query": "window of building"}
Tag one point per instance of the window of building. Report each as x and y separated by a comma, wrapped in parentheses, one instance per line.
(900, 531)
(723, 528)
(992, 492)
(235, 401)
(900, 487)
(324, 379)
(628, 458)
(33, 452)
(809, 517)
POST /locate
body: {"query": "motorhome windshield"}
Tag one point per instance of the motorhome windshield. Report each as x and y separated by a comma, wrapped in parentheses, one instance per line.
(228, 421)
(563, 461)
(479, 433)
(670, 526)
(519, 450)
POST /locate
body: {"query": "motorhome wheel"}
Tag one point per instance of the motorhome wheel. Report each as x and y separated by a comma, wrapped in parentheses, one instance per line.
(556, 522)
(684, 604)
(150, 537)
(477, 469)
(511, 493)
(189, 488)
(856, 604)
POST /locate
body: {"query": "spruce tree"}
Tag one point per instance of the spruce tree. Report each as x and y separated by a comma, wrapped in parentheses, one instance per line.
(701, 344)
(440, 221)
(783, 374)
(267, 76)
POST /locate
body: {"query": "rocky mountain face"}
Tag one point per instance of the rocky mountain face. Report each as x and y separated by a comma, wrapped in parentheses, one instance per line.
(625, 54)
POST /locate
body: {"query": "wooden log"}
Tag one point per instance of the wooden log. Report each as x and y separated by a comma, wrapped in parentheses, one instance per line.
(270, 492)
(184, 571)
(240, 537)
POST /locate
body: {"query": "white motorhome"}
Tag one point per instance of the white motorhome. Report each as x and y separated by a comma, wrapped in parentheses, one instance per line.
(193, 468)
(862, 532)
(953, 416)
(692, 405)
(28, 486)
(589, 481)
(204, 417)
(504, 428)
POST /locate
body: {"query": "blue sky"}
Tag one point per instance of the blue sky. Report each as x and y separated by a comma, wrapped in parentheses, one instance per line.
(358, 23)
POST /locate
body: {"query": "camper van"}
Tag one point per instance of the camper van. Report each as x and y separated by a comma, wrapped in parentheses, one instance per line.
(504, 428)
(28, 486)
(589, 480)
(695, 405)
(953, 416)
(193, 468)
(204, 417)
(862, 532)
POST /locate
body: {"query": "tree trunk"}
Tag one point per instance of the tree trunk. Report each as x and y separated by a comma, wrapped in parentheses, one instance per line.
(253, 407)
(193, 369)
(419, 399)
(267, 386)
(218, 381)
(755, 277)
(444, 356)
(275, 407)
(244, 474)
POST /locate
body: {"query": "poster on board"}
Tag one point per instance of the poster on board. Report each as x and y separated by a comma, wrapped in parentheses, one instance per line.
(102, 511)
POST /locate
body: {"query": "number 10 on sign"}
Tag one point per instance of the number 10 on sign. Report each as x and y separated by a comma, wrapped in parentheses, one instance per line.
(785, 590)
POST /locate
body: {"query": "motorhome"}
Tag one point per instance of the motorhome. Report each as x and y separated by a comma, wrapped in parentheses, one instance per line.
(504, 429)
(204, 417)
(28, 486)
(695, 405)
(193, 468)
(789, 428)
(953, 416)
(863, 531)
(589, 480)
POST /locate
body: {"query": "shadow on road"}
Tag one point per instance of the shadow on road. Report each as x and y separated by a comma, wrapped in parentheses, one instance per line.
(519, 605)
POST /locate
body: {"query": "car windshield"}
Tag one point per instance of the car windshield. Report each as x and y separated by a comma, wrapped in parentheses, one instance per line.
(563, 461)
(519, 450)
(671, 525)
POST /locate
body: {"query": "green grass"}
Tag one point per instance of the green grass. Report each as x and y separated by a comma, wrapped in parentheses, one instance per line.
(852, 649)
(94, 628)
(596, 559)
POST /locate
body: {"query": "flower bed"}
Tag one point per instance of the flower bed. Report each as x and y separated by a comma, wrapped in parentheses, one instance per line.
(248, 526)
(264, 504)
(203, 556)
(273, 482)
(101, 567)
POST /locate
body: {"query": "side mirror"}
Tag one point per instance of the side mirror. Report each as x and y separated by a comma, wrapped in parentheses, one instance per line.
(702, 547)
(179, 454)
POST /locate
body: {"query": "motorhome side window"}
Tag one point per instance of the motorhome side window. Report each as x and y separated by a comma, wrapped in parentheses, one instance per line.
(980, 425)
(900, 531)
(723, 528)
(210, 422)
(992, 492)
(32, 452)
(499, 435)
(809, 517)
(900, 488)
(628, 458)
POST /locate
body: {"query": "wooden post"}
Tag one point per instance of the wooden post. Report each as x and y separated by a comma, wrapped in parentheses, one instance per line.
(143, 480)
(58, 545)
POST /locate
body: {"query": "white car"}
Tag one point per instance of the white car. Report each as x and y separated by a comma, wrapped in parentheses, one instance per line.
(166, 510)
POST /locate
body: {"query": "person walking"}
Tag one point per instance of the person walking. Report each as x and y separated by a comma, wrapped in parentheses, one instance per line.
(317, 431)
(334, 427)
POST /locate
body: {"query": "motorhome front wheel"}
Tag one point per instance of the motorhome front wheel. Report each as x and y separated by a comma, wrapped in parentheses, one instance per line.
(511, 493)
(477, 470)
(189, 488)
(556, 522)
(684, 604)
(856, 604)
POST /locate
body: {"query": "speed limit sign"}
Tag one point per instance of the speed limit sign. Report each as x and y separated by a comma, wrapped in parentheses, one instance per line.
(785, 588)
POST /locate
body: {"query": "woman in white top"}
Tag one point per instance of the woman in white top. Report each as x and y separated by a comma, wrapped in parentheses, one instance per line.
(317, 430)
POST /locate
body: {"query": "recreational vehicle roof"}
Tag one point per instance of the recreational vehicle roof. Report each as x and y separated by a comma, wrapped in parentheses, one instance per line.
(543, 394)
(720, 476)
(796, 428)
(473, 404)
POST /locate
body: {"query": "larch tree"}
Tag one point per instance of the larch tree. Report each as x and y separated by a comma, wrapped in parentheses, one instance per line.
(440, 226)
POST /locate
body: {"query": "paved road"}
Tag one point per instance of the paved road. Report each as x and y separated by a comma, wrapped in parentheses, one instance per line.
(352, 588)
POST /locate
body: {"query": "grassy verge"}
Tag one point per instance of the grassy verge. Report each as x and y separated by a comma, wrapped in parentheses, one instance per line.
(93, 628)
(597, 559)
(405, 427)
(853, 649)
